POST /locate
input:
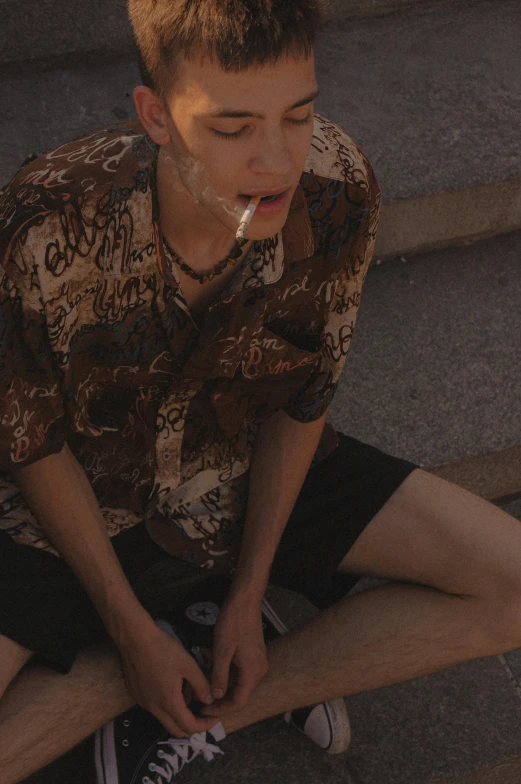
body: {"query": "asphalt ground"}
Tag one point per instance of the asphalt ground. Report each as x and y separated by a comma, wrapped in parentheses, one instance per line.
(433, 372)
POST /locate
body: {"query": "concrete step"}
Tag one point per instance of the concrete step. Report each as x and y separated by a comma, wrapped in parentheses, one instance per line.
(430, 94)
(340, 10)
(433, 371)
(33, 29)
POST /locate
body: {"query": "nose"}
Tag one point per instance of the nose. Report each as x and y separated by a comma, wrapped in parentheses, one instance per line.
(273, 156)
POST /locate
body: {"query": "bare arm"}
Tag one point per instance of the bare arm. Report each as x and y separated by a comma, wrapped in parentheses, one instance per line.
(155, 665)
(284, 449)
(283, 453)
(61, 497)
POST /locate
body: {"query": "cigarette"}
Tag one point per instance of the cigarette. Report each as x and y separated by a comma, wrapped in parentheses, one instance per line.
(249, 212)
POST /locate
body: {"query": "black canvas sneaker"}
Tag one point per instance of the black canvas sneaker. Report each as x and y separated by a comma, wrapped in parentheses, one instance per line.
(326, 724)
(135, 748)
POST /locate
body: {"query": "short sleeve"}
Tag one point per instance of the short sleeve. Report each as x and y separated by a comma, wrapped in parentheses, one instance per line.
(316, 394)
(32, 417)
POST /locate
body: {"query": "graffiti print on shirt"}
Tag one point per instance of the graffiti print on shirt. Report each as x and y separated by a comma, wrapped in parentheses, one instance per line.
(99, 350)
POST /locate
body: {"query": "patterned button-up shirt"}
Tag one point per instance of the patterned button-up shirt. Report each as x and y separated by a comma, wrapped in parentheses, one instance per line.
(98, 348)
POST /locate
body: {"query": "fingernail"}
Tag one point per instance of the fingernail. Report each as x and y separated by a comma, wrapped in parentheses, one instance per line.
(208, 699)
(218, 693)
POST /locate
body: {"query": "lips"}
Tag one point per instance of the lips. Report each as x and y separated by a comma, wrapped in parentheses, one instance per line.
(270, 198)
(271, 204)
(265, 195)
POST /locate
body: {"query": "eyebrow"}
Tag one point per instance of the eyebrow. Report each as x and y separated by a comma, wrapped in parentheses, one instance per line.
(238, 114)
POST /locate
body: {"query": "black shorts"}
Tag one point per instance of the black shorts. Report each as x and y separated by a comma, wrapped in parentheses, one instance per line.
(44, 608)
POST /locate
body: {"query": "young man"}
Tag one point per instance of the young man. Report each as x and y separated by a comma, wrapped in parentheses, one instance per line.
(158, 377)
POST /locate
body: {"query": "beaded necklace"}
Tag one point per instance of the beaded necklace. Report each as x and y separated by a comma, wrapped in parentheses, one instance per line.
(230, 260)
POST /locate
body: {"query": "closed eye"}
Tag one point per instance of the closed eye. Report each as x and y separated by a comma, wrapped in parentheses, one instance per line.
(239, 133)
(224, 135)
(301, 122)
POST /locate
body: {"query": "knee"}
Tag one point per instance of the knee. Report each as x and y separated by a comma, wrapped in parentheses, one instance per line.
(501, 618)
(13, 657)
(6, 678)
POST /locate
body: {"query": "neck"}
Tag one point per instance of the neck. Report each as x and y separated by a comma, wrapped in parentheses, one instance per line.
(190, 228)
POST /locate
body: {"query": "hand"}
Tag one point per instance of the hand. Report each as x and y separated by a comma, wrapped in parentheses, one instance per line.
(156, 666)
(240, 660)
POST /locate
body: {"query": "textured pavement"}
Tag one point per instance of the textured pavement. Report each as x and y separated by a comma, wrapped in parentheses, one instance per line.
(43, 28)
(431, 93)
(433, 372)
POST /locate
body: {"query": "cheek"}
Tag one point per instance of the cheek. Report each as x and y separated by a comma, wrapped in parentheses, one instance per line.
(201, 171)
(227, 170)
(193, 174)
(303, 148)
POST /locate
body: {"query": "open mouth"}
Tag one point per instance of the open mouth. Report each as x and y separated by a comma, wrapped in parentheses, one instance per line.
(268, 206)
(271, 198)
(264, 198)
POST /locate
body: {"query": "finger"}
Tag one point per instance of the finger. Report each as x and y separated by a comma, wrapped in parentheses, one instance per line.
(226, 704)
(219, 709)
(248, 676)
(199, 683)
(181, 721)
(177, 714)
(188, 693)
(247, 673)
(224, 707)
(221, 672)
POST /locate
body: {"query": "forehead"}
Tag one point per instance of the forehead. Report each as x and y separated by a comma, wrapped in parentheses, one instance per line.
(202, 85)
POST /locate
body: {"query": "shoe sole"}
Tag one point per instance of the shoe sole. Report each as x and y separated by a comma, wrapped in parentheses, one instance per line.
(338, 716)
(104, 757)
(336, 710)
(272, 616)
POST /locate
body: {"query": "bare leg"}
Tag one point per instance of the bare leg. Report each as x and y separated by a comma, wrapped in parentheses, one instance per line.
(376, 638)
(13, 658)
(456, 558)
(44, 714)
(379, 637)
(383, 636)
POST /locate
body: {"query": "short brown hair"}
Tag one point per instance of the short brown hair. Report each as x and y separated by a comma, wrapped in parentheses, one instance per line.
(236, 33)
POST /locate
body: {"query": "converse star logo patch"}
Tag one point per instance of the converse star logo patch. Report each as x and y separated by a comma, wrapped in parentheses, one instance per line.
(204, 613)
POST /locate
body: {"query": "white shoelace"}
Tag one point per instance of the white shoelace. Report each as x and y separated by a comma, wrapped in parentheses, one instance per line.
(181, 748)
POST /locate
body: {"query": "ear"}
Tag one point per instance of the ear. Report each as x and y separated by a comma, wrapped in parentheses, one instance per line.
(152, 113)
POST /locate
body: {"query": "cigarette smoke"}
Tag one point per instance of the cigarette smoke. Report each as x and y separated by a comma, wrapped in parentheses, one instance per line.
(194, 177)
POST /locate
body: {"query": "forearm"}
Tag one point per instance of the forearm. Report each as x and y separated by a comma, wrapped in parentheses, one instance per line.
(282, 456)
(61, 497)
